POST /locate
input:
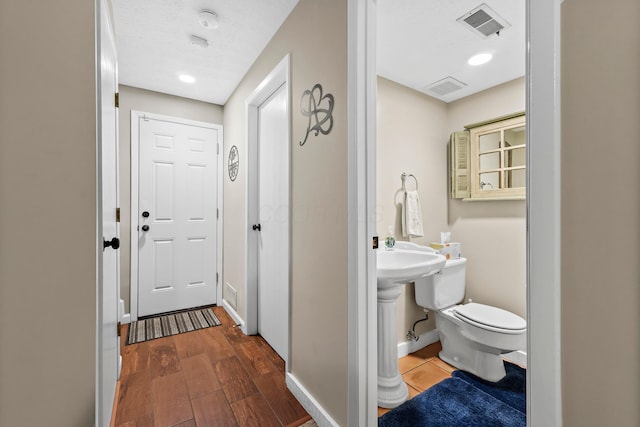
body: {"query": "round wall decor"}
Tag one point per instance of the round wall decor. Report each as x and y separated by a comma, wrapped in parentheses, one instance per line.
(234, 163)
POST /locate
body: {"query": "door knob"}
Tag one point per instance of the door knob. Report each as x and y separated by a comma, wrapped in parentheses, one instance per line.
(256, 227)
(145, 228)
(114, 243)
(145, 214)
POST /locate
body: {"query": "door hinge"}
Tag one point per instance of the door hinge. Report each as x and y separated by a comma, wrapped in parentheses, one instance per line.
(217, 213)
(119, 328)
(216, 277)
(117, 100)
(218, 148)
(117, 214)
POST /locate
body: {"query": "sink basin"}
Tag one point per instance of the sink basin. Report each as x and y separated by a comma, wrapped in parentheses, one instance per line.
(400, 266)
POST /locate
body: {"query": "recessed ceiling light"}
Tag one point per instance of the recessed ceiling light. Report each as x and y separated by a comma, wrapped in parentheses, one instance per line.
(479, 59)
(186, 78)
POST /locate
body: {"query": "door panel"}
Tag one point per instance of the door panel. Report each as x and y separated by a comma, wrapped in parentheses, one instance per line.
(196, 272)
(273, 267)
(163, 191)
(196, 186)
(177, 242)
(163, 264)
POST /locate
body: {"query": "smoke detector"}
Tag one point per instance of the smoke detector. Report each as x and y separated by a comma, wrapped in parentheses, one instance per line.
(208, 19)
(484, 21)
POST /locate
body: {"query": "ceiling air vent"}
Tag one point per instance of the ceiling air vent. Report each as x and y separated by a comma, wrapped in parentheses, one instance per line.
(445, 86)
(483, 21)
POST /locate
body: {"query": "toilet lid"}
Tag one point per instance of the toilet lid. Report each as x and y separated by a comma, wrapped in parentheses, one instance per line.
(488, 317)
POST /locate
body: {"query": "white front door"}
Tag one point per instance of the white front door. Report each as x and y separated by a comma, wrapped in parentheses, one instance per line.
(273, 196)
(108, 351)
(177, 215)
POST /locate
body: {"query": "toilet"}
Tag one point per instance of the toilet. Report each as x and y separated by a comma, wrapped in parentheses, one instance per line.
(473, 335)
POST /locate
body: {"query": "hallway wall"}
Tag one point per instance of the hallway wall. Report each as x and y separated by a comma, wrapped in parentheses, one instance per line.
(48, 241)
(600, 213)
(315, 36)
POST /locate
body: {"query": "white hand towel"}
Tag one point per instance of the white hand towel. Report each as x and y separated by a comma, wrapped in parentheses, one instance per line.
(411, 215)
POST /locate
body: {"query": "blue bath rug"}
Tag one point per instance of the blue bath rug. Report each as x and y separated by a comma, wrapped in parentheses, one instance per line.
(452, 403)
(511, 389)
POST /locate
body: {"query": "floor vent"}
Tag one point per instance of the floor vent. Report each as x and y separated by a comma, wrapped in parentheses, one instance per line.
(445, 86)
(483, 21)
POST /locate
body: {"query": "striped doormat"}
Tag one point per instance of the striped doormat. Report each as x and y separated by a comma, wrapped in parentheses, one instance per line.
(171, 324)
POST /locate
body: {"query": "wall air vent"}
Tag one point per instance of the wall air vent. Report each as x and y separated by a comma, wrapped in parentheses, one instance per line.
(483, 21)
(445, 86)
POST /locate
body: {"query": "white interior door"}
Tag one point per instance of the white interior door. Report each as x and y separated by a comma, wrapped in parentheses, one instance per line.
(177, 215)
(108, 351)
(273, 196)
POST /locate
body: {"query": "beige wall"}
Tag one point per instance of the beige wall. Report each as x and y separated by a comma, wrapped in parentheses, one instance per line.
(315, 36)
(47, 213)
(132, 98)
(600, 213)
(412, 138)
(413, 130)
(492, 233)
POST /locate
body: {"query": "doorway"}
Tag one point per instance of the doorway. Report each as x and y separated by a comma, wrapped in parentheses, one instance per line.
(268, 210)
(544, 400)
(176, 195)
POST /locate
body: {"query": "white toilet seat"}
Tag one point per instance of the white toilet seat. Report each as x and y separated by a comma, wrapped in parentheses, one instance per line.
(490, 318)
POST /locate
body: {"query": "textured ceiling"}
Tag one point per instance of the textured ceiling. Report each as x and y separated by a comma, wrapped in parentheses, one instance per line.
(420, 42)
(152, 38)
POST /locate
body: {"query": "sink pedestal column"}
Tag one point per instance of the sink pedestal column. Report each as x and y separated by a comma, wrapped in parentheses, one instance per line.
(392, 391)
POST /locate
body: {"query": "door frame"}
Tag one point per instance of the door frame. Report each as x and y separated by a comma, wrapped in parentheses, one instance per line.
(105, 391)
(135, 170)
(278, 77)
(362, 367)
(544, 380)
(544, 363)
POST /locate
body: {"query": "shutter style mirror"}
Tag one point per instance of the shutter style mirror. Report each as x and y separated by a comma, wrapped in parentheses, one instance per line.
(488, 160)
(459, 173)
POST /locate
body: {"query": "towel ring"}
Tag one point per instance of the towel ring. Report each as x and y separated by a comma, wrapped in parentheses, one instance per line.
(404, 177)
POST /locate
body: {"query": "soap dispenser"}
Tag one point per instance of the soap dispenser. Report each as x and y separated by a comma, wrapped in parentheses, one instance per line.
(390, 241)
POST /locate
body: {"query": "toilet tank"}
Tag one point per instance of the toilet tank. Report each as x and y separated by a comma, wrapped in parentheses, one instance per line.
(443, 289)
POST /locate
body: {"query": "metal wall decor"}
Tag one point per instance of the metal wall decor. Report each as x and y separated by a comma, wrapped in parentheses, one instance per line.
(233, 163)
(317, 111)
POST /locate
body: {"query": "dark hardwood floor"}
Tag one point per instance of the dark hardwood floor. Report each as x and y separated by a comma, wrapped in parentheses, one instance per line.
(212, 377)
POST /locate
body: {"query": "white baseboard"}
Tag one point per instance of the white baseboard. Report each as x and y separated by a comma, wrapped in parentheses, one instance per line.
(124, 318)
(424, 340)
(119, 365)
(518, 357)
(311, 405)
(234, 315)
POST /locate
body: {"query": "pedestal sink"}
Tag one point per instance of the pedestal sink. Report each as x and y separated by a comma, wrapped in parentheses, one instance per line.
(395, 267)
